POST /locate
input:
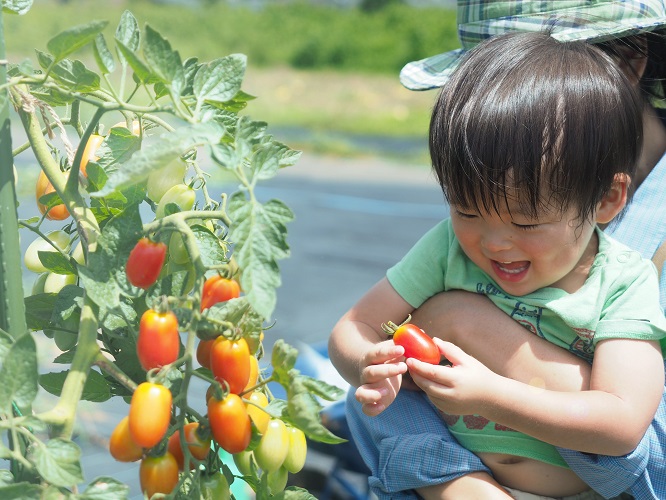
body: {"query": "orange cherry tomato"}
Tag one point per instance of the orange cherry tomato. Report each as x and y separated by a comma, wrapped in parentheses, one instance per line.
(198, 445)
(258, 416)
(121, 445)
(158, 342)
(218, 289)
(149, 414)
(158, 474)
(145, 262)
(43, 187)
(230, 363)
(230, 423)
(90, 151)
(254, 373)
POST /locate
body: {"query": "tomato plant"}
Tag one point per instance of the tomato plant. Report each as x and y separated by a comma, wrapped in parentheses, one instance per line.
(101, 302)
(416, 342)
(158, 474)
(230, 423)
(230, 363)
(149, 414)
(144, 263)
(158, 342)
(121, 445)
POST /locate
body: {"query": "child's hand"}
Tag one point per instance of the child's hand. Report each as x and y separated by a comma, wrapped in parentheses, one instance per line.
(381, 375)
(460, 389)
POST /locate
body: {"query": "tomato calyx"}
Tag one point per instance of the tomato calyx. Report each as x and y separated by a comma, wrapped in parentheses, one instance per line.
(390, 328)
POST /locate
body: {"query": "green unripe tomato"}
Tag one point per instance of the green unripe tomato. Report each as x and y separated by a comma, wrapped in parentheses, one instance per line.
(180, 194)
(273, 446)
(163, 179)
(177, 251)
(38, 285)
(277, 481)
(215, 487)
(56, 282)
(78, 255)
(31, 257)
(243, 461)
(298, 448)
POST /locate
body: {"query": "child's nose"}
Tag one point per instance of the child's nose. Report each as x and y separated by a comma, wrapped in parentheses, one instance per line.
(496, 242)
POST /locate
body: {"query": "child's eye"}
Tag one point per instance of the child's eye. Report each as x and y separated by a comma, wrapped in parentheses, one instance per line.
(526, 227)
(464, 215)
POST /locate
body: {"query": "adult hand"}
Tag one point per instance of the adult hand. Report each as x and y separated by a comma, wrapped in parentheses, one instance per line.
(382, 369)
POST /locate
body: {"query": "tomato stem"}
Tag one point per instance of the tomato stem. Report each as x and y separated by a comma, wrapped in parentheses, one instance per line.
(390, 327)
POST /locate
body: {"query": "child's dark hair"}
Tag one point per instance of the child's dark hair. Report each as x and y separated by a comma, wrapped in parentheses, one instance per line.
(555, 121)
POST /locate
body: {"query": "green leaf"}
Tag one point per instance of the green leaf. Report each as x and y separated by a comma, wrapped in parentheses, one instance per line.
(96, 388)
(71, 73)
(212, 250)
(141, 71)
(18, 375)
(103, 55)
(58, 462)
(164, 62)
(220, 80)
(160, 153)
(283, 357)
(128, 32)
(322, 389)
(21, 491)
(105, 488)
(118, 147)
(38, 310)
(56, 262)
(16, 6)
(304, 413)
(294, 493)
(259, 233)
(265, 161)
(73, 39)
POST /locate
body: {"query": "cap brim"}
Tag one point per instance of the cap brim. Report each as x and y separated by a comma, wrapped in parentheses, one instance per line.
(431, 72)
(435, 71)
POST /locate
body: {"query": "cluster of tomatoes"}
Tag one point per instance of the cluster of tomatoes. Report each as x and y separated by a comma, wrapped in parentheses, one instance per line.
(235, 406)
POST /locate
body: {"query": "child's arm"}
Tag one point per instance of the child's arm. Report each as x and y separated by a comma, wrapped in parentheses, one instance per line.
(360, 351)
(610, 418)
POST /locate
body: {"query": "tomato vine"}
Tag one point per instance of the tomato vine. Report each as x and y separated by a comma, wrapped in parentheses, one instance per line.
(154, 185)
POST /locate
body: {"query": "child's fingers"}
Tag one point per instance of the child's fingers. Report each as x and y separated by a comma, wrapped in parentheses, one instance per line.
(376, 373)
(454, 354)
(383, 352)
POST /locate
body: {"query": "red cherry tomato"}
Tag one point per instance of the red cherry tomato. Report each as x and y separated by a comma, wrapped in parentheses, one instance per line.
(230, 363)
(121, 445)
(158, 343)
(158, 474)
(203, 352)
(149, 414)
(145, 263)
(417, 343)
(44, 186)
(197, 444)
(218, 289)
(230, 423)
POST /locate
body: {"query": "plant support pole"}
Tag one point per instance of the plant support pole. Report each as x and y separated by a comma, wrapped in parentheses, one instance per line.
(12, 309)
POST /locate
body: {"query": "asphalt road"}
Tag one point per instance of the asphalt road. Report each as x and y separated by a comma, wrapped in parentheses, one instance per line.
(354, 219)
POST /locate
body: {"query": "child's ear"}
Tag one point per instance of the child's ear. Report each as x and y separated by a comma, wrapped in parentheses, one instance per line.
(615, 200)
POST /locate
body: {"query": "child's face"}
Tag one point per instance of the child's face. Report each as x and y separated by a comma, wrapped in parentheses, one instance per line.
(523, 254)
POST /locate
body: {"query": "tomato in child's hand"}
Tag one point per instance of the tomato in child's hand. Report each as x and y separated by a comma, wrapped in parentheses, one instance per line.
(417, 343)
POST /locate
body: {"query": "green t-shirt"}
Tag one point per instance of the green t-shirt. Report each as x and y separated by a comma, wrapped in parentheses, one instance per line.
(619, 299)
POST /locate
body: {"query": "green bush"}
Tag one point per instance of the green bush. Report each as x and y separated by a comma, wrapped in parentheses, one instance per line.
(301, 35)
